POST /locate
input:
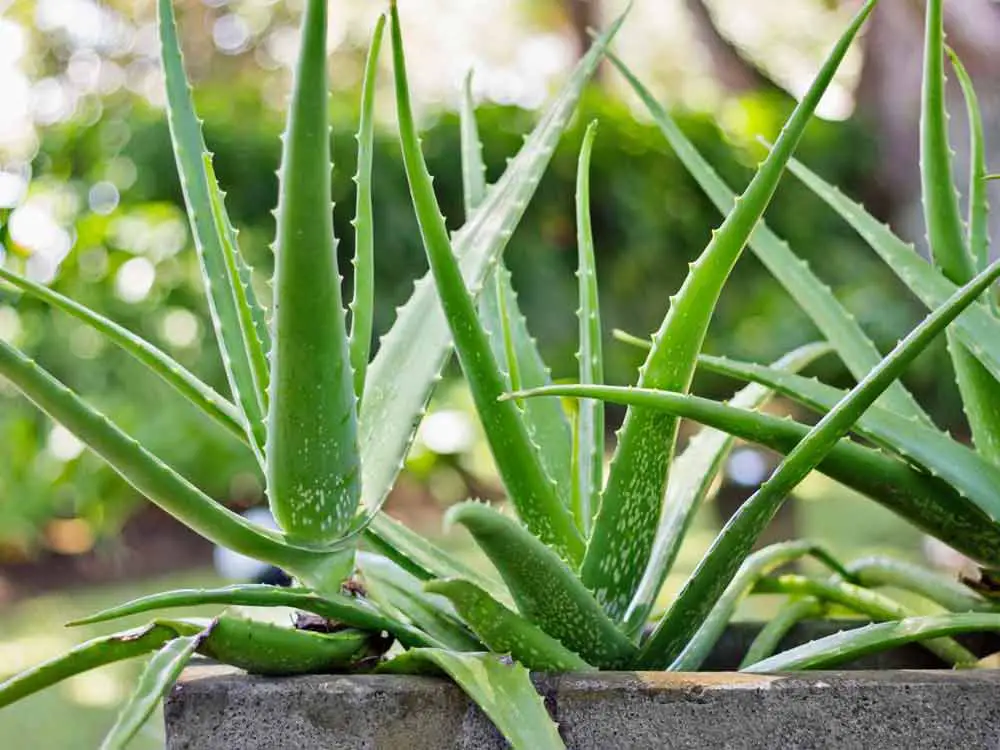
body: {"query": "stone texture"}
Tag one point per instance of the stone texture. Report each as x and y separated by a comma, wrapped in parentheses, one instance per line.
(218, 708)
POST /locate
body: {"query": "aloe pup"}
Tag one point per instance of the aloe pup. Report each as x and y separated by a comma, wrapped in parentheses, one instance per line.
(579, 563)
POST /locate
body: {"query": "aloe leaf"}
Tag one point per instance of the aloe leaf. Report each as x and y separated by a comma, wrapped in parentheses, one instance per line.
(150, 476)
(624, 530)
(395, 590)
(268, 649)
(978, 228)
(945, 233)
(931, 585)
(758, 565)
(544, 589)
(419, 342)
(505, 632)
(975, 327)
(926, 501)
(774, 631)
(313, 472)
(529, 487)
(504, 692)
(189, 152)
(157, 678)
(350, 611)
(960, 466)
(691, 477)
(166, 368)
(422, 558)
(864, 601)
(588, 456)
(814, 297)
(510, 339)
(734, 543)
(90, 655)
(853, 644)
(363, 304)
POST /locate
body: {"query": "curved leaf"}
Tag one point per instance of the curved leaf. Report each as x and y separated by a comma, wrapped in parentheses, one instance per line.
(625, 528)
(775, 630)
(544, 589)
(505, 632)
(932, 585)
(503, 691)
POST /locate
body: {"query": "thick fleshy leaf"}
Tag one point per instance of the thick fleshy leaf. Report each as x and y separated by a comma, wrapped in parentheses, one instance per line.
(544, 589)
(849, 645)
(396, 591)
(363, 303)
(930, 584)
(505, 632)
(162, 365)
(588, 443)
(313, 472)
(974, 477)
(691, 477)
(144, 471)
(189, 152)
(625, 528)
(864, 601)
(157, 678)
(734, 543)
(774, 631)
(419, 341)
(759, 564)
(346, 610)
(814, 297)
(530, 489)
(94, 653)
(928, 502)
(504, 692)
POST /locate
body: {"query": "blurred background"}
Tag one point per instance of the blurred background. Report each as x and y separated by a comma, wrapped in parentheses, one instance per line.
(90, 203)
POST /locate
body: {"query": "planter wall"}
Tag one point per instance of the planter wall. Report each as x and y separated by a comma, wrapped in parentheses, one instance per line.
(218, 708)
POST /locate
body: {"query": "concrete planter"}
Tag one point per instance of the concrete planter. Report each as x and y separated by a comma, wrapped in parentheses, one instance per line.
(906, 705)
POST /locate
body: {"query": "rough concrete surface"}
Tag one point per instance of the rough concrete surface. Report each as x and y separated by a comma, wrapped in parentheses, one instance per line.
(218, 708)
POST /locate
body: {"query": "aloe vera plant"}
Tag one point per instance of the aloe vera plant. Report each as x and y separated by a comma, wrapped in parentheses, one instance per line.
(578, 572)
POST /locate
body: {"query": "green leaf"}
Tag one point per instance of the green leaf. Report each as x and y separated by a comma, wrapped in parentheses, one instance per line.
(945, 233)
(419, 342)
(313, 472)
(928, 502)
(505, 632)
(395, 590)
(363, 303)
(156, 680)
(198, 187)
(932, 585)
(268, 649)
(422, 558)
(530, 489)
(159, 363)
(350, 611)
(150, 476)
(864, 601)
(588, 455)
(978, 228)
(774, 631)
(94, 653)
(691, 477)
(544, 589)
(978, 330)
(734, 543)
(473, 168)
(504, 692)
(849, 645)
(755, 567)
(625, 528)
(814, 297)
(960, 466)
